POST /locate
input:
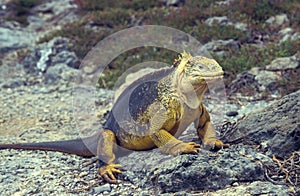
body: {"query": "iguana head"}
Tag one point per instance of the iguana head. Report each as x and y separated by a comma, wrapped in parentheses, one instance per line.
(192, 75)
(198, 70)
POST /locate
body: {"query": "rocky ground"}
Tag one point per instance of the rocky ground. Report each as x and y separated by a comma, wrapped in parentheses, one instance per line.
(37, 94)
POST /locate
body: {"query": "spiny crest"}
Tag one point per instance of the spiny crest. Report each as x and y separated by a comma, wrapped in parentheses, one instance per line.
(182, 60)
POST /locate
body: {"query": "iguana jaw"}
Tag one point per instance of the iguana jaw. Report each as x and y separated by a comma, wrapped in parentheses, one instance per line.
(203, 79)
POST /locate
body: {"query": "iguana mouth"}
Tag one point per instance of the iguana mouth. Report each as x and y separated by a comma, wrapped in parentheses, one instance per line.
(212, 77)
(209, 77)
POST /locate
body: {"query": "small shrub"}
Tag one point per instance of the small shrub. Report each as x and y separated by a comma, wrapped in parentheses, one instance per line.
(112, 17)
(205, 33)
(94, 5)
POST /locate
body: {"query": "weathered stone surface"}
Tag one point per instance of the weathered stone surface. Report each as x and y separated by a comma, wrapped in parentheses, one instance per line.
(254, 188)
(60, 72)
(15, 38)
(172, 2)
(13, 83)
(195, 172)
(55, 6)
(217, 46)
(275, 127)
(277, 20)
(223, 20)
(246, 84)
(265, 78)
(50, 54)
(284, 63)
(288, 34)
(101, 189)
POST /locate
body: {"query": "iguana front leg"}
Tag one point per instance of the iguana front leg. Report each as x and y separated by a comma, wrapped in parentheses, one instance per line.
(170, 145)
(105, 153)
(207, 133)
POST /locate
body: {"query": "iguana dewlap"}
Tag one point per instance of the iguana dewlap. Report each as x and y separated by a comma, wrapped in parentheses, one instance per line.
(151, 112)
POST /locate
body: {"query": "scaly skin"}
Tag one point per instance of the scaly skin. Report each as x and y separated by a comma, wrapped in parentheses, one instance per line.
(152, 112)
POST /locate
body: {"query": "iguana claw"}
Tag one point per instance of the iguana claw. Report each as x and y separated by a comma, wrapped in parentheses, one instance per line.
(185, 148)
(217, 145)
(107, 172)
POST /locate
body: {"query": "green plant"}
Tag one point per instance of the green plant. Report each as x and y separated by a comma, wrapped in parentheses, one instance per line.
(112, 17)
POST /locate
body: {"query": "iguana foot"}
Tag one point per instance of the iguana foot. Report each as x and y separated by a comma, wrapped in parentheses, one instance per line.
(216, 145)
(186, 148)
(107, 172)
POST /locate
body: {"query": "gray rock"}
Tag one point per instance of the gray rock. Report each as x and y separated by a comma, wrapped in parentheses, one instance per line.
(217, 46)
(232, 113)
(59, 72)
(240, 26)
(223, 20)
(226, 2)
(101, 189)
(277, 20)
(244, 83)
(205, 172)
(254, 188)
(172, 2)
(52, 14)
(285, 31)
(284, 63)
(13, 83)
(195, 172)
(55, 6)
(277, 127)
(291, 37)
(15, 38)
(50, 54)
(265, 78)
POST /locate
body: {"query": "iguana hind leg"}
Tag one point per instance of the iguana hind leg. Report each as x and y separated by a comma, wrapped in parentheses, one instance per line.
(170, 145)
(105, 152)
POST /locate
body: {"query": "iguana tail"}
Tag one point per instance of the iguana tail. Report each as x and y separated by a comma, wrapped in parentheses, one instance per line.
(86, 147)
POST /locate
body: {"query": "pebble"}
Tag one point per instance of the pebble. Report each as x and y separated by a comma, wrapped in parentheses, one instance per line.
(103, 188)
(83, 174)
(232, 113)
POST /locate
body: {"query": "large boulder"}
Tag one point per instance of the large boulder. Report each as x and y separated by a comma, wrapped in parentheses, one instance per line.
(205, 171)
(276, 128)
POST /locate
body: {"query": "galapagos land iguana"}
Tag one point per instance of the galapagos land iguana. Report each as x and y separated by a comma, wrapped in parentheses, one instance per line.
(151, 112)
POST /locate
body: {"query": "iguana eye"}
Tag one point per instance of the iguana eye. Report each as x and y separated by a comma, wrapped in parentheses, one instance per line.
(200, 66)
